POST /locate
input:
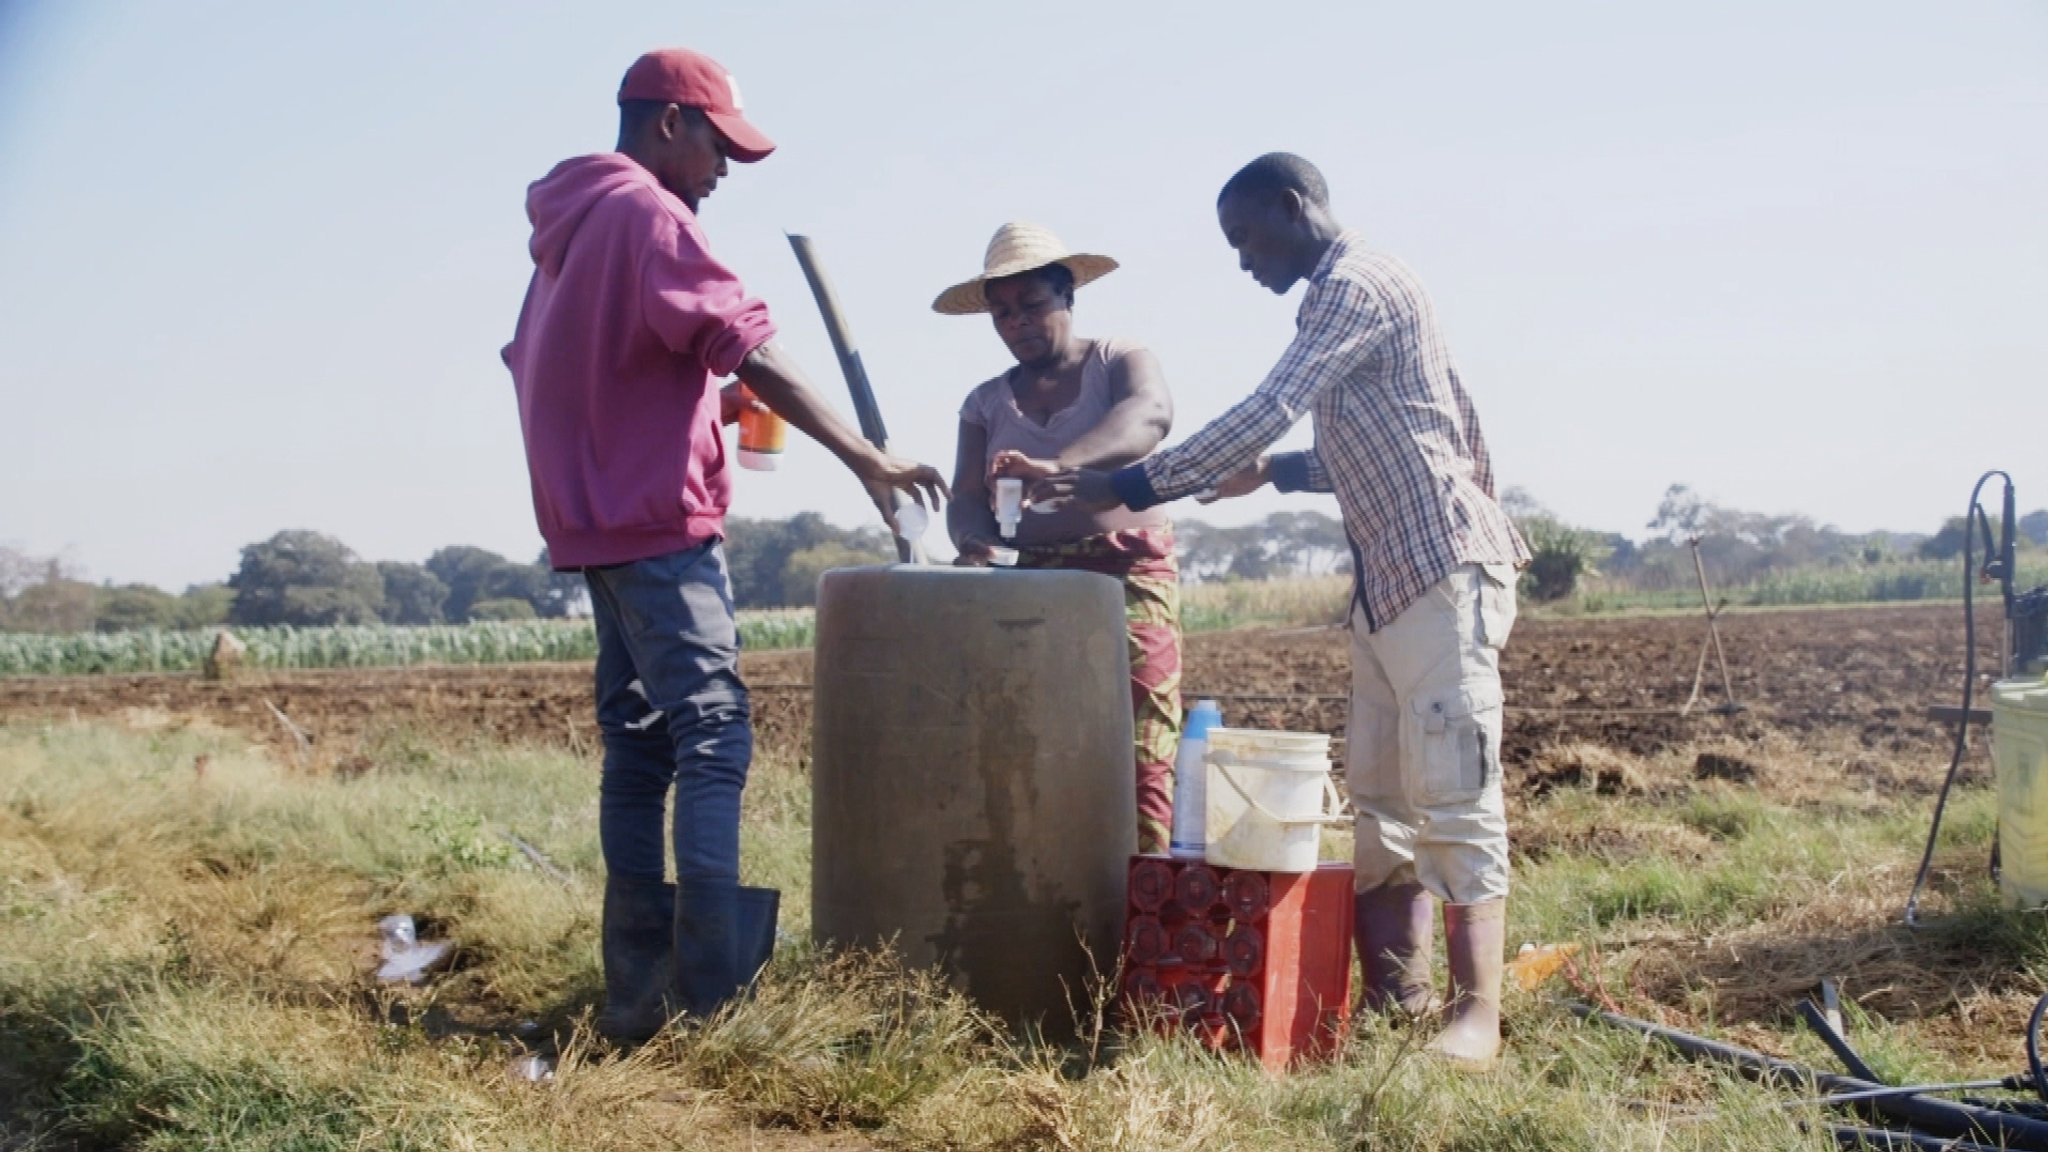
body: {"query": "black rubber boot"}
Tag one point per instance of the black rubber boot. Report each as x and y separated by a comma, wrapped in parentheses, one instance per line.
(759, 908)
(1395, 927)
(639, 919)
(707, 946)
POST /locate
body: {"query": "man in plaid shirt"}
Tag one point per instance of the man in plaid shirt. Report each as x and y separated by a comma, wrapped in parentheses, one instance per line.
(1434, 560)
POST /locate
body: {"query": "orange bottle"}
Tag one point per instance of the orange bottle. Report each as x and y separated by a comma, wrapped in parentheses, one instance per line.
(762, 435)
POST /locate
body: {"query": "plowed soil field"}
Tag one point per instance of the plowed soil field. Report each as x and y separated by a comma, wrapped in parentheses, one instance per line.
(1849, 683)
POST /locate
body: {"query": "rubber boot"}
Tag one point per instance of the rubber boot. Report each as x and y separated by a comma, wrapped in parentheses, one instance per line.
(1475, 941)
(707, 946)
(1395, 927)
(758, 912)
(639, 922)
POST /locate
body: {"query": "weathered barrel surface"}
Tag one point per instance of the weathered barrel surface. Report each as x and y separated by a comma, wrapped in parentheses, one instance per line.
(971, 760)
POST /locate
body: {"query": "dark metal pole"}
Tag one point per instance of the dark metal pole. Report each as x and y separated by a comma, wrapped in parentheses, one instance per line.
(1940, 1117)
(865, 409)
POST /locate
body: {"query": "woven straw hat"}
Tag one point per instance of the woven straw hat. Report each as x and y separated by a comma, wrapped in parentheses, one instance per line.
(1019, 248)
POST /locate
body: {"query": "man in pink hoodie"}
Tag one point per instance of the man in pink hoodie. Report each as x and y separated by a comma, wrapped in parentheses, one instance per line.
(629, 322)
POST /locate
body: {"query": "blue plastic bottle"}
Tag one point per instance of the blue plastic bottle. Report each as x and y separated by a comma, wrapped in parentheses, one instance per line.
(1191, 781)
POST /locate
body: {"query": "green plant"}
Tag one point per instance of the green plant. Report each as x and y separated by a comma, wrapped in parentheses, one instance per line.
(459, 838)
(348, 646)
(1560, 555)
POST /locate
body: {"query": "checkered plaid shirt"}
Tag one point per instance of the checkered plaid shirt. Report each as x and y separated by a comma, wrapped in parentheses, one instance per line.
(1397, 438)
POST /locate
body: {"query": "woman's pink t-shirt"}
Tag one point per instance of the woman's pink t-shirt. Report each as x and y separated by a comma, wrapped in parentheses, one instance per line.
(992, 407)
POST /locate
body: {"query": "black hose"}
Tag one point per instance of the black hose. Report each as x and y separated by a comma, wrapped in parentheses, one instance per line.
(1940, 1117)
(1955, 763)
(1850, 1058)
(2034, 1048)
(1885, 1139)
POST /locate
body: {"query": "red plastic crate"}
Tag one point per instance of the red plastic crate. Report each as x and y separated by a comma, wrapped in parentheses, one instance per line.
(1252, 960)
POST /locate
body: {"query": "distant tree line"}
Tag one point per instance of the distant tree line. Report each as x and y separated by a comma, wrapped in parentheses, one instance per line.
(45, 594)
(308, 578)
(295, 577)
(776, 563)
(1736, 546)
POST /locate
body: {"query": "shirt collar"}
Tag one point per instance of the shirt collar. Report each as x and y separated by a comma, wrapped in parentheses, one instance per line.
(1344, 243)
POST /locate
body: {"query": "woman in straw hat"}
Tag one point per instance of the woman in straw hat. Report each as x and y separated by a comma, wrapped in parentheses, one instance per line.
(1071, 402)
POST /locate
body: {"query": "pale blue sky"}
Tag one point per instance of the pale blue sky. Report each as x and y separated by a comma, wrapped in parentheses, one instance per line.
(260, 257)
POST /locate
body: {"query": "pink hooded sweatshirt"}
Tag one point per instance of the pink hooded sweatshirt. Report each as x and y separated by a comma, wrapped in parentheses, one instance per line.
(628, 324)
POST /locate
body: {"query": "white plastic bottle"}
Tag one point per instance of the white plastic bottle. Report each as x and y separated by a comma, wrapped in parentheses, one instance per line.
(1191, 781)
(1009, 504)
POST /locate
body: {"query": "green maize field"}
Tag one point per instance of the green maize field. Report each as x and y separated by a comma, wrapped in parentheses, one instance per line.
(348, 646)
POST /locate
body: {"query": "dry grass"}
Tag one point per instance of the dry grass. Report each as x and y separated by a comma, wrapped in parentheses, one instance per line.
(1267, 603)
(189, 932)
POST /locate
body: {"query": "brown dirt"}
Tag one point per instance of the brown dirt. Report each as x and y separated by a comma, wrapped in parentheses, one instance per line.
(1834, 716)
(1849, 682)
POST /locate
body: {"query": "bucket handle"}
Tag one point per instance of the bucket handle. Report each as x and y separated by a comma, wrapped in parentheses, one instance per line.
(1333, 802)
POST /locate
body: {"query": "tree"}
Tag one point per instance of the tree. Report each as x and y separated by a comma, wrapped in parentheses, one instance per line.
(300, 577)
(1520, 504)
(2033, 527)
(19, 570)
(567, 593)
(1682, 513)
(205, 605)
(1736, 545)
(463, 570)
(1947, 544)
(477, 574)
(412, 595)
(1208, 552)
(801, 571)
(43, 594)
(134, 607)
(759, 554)
(1297, 543)
(1309, 542)
(505, 608)
(1560, 555)
(53, 606)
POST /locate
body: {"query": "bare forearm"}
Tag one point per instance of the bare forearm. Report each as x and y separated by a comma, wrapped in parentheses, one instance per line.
(970, 517)
(774, 377)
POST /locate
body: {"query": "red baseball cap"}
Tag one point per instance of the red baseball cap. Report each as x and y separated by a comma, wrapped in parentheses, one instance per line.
(694, 80)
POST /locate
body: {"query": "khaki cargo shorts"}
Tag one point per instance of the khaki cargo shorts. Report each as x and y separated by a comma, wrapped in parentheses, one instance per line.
(1423, 747)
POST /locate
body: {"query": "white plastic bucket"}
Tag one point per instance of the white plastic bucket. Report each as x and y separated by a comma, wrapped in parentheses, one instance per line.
(1270, 794)
(2019, 742)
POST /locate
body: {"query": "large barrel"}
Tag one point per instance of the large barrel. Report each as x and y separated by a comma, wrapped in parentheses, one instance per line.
(974, 797)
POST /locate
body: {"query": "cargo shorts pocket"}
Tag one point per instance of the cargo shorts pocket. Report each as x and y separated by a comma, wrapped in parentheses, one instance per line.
(1496, 604)
(1456, 742)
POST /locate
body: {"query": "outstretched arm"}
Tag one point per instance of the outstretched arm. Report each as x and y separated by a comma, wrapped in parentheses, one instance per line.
(774, 377)
(1139, 417)
(1341, 324)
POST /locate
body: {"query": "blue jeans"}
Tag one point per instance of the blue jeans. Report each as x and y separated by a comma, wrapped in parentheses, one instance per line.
(673, 711)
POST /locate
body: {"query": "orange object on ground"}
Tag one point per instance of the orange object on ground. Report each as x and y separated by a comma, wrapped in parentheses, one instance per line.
(1255, 961)
(1535, 965)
